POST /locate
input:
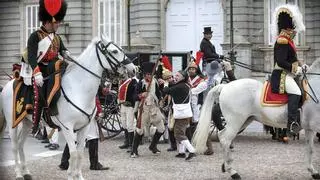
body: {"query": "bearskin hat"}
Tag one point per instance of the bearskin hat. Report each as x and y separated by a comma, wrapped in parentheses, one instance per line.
(147, 67)
(52, 10)
(287, 16)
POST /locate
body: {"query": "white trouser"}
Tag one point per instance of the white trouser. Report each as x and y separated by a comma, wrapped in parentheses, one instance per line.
(93, 131)
(127, 117)
(188, 145)
(291, 87)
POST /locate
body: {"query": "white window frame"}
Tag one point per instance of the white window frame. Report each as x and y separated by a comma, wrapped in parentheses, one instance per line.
(30, 25)
(272, 4)
(112, 23)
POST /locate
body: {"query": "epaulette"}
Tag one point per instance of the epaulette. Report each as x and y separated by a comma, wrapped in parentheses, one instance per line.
(282, 40)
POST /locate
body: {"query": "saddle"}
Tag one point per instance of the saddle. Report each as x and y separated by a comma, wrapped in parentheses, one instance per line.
(268, 98)
(26, 99)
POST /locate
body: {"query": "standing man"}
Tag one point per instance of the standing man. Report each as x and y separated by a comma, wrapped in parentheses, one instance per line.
(210, 55)
(149, 111)
(44, 47)
(287, 67)
(182, 112)
(127, 97)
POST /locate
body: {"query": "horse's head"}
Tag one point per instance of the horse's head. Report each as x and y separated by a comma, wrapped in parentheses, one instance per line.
(112, 57)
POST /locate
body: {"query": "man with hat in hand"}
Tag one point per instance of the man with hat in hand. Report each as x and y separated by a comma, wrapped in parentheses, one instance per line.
(149, 112)
(210, 55)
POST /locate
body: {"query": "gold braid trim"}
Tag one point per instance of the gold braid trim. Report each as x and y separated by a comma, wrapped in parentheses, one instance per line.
(282, 82)
(294, 67)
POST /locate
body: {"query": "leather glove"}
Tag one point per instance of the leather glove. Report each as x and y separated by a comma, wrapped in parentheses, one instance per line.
(38, 78)
(305, 68)
(299, 71)
(221, 56)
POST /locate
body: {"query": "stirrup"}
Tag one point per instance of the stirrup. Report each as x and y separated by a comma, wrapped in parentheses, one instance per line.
(294, 128)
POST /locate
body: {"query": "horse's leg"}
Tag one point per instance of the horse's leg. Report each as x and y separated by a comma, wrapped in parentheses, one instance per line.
(26, 125)
(81, 136)
(226, 137)
(15, 147)
(71, 141)
(310, 136)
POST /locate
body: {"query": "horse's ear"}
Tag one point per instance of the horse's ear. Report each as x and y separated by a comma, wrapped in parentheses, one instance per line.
(104, 37)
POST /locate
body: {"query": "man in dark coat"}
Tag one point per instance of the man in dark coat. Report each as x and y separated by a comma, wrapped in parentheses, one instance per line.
(209, 55)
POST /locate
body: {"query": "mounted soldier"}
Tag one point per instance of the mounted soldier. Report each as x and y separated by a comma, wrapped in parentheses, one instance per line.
(287, 66)
(43, 50)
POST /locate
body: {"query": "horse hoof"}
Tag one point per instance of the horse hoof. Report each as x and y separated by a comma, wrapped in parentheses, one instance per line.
(236, 176)
(316, 176)
(223, 169)
(27, 177)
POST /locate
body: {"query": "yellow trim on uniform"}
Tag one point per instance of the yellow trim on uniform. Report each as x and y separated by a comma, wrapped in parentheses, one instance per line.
(282, 40)
(294, 67)
(282, 86)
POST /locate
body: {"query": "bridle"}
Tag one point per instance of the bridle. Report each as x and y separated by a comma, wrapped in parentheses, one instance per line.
(113, 62)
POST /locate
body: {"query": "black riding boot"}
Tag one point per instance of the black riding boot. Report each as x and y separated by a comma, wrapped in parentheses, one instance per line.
(126, 140)
(216, 116)
(293, 114)
(93, 155)
(64, 165)
(136, 142)
(130, 140)
(231, 75)
(173, 143)
(154, 142)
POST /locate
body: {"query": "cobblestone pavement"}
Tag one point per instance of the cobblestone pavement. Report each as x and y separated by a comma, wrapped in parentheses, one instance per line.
(256, 156)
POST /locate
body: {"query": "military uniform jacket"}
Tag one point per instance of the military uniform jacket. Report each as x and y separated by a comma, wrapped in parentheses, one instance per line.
(285, 61)
(142, 87)
(209, 51)
(198, 85)
(52, 53)
(127, 92)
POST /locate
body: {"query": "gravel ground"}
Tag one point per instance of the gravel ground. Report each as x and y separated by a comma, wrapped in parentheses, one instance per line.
(255, 157)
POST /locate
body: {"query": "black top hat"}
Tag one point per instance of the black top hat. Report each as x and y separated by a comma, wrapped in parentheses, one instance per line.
(207, 30)
(285, 21)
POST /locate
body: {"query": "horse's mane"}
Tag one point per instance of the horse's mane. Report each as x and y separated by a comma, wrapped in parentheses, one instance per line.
(315, 67)
(84, 53)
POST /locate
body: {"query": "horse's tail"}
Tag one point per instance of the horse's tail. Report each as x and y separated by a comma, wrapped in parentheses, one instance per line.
(201, 134)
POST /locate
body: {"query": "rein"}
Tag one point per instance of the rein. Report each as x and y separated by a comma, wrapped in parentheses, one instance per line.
(114, 66)
(313, 96)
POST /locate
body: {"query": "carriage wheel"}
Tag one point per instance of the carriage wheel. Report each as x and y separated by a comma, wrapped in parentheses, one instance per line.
(111, 123)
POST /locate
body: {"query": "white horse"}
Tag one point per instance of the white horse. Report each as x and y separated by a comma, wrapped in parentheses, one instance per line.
(240, 105)
(80, 84)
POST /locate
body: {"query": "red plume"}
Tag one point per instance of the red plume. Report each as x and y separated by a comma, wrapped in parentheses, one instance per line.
(199, 56)
(166, 63)
(52, 6)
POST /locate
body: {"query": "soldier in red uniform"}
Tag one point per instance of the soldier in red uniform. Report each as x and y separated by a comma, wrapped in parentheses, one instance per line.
(126, 97)
(44, 47)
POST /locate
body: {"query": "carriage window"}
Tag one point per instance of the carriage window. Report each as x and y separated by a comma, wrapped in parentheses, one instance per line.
(110, 18)
(271, 6)
(32, 20)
